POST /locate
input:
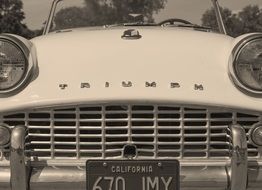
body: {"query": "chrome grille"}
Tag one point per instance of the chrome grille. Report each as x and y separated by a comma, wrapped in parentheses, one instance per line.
(158, 131)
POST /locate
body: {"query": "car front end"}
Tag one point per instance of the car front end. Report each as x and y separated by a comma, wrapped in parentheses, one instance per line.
(146, 107)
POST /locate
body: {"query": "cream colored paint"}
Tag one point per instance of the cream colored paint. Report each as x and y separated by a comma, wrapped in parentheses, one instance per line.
(162, 55)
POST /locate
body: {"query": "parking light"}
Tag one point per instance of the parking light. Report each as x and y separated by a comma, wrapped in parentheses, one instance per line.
(5, 135)
(256, 135)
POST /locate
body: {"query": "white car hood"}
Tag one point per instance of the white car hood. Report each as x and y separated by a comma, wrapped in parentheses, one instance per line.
(104, 60)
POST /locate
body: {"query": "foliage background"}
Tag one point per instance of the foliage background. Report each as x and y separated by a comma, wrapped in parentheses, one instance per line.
(110, 12)
(248, 20)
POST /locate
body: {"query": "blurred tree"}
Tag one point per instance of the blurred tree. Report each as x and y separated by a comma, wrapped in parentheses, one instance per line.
(107, 12)
(144, 7)
(232, 22)
(11, 17)
(70, 17)
(251, 19)
(247, 20)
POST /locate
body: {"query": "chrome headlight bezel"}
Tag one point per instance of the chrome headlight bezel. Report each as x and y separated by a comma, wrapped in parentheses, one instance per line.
(232, 64)
(29, 63)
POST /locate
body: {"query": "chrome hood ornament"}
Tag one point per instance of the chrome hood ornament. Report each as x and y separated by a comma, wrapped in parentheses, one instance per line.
(131, 34)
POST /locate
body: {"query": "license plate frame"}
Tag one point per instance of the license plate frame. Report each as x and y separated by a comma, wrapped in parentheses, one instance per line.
(132, 174)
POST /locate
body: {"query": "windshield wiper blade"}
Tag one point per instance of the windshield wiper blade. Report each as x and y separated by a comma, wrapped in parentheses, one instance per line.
(140, 24)
(191, 26)
(131, 24)
(197, 26)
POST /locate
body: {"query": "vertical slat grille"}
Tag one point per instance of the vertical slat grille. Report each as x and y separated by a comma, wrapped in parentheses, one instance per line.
(158, 131)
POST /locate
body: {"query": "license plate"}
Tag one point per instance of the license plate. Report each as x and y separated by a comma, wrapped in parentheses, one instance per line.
(133, 175)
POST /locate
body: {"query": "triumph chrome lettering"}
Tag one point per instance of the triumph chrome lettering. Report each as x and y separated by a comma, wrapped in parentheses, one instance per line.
(63, 86)
(199, 87)
(107, 84)
(151, 84)
(85, 85)
(174, 85)
(127, 84)
(130, 84)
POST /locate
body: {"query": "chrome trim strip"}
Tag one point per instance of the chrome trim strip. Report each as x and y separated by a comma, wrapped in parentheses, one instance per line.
(19, 170)
(50, 17)
(183, 163)
(239, 161)
(219, 17)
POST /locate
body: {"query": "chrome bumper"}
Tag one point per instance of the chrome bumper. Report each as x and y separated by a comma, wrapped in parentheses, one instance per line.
(237, 174)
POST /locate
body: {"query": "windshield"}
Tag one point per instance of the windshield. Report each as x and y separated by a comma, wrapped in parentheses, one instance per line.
(28, 18)
(108, 13)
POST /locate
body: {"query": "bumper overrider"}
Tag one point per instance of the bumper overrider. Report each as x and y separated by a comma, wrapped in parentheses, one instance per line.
(238, 174)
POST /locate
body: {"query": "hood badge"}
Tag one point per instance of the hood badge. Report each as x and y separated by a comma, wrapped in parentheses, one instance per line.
(131, 34)
(131, 84)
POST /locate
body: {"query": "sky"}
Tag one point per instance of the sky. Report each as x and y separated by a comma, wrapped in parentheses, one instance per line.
(36, 11)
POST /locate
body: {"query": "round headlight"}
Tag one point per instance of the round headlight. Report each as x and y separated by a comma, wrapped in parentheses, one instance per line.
(255, 135)
(247, 64)
(16, 63)
(13, 64)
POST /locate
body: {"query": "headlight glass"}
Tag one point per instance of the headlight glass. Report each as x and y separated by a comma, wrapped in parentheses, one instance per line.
(248, 65)
(13, 64)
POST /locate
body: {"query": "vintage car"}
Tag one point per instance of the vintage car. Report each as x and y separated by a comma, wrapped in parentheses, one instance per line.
(141, 106)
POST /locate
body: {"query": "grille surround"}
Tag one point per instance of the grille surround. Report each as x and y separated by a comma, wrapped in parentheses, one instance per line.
(159, 131)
